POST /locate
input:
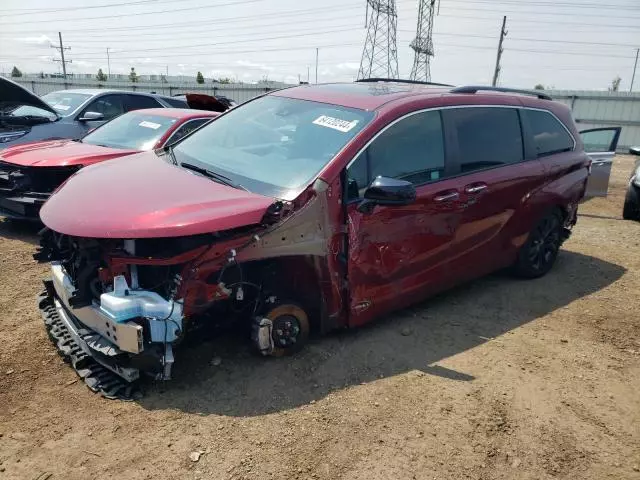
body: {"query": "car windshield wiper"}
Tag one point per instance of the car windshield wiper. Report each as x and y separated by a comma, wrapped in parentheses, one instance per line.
(213, 175)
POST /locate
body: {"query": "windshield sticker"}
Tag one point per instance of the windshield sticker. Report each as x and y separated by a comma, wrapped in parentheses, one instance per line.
(335, 123)
(64, 108)
(146, 124)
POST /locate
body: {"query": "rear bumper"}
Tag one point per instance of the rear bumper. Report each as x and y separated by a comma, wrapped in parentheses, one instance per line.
(22, 206)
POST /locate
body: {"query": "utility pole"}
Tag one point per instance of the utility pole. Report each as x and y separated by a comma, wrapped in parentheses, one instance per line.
(64, 62)
(317, 64)
(503, 33)
(635, 65)
(108, 63)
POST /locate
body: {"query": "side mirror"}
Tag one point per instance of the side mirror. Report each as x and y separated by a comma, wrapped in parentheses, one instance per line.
(634, 151)
(91, 117)
(387, 191)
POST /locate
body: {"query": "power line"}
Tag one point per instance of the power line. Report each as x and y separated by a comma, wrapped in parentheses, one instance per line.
(572, 14)
(183, 54)
(196, 33)
(37, 11)
(293, 13)
(541, 22)
(179, 10)
(550, 4)
(233, 42)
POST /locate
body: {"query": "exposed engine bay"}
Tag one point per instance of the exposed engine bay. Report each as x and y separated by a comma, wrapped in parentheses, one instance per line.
(23, 190)
(122, 305)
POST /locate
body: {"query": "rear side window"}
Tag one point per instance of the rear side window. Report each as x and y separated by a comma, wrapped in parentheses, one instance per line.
(549, 135)
(411, 149)
(140, 102)
(108, 105)
(186, 129)
(487, 137)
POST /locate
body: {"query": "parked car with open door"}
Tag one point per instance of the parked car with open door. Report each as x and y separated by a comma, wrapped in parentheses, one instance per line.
(631, 208)
(600, 144)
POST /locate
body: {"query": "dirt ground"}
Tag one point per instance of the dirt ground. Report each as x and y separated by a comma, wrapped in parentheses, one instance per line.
(494, 380)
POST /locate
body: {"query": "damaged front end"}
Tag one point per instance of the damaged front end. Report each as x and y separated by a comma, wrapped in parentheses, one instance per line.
(116, 308)
(23, 190)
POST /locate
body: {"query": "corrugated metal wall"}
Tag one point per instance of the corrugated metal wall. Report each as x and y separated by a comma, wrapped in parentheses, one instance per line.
(605, 109)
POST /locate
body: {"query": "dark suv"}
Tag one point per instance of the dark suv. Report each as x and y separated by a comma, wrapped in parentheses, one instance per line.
(320, 206)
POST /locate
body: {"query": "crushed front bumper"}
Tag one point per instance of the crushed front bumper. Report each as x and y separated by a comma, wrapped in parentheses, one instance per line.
(101, 368)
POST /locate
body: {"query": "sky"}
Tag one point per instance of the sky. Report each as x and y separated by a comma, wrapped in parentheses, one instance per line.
(564, 44)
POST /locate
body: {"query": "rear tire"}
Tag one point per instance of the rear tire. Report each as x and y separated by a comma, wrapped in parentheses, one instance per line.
(631, 208)
(539, 253)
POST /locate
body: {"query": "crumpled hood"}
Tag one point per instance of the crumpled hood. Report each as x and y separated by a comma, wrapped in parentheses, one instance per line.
(59, 153)
(13, 94)
(146, 197)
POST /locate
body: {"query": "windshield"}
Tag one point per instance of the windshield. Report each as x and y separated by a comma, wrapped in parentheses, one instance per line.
(273, 146)
(62, 102)
(134, 130)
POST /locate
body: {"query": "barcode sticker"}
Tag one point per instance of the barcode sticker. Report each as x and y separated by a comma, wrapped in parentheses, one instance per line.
(146, 124)
(335, 123)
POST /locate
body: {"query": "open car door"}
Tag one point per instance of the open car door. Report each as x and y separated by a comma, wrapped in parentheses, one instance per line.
(600, 144)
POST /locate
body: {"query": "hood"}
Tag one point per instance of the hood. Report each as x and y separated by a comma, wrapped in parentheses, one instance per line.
(59, 153)
(146, 197)
(13, 95)
(199, 101)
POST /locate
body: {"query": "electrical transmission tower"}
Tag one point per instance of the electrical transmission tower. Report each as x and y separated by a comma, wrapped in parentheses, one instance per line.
(422, 45)
(380, 54)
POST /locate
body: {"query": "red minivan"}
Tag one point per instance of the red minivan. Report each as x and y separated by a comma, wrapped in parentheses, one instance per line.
(314, 207)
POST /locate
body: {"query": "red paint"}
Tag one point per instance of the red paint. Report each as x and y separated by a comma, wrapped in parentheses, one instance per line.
(60, 153)
(376, 262)
(147, 197)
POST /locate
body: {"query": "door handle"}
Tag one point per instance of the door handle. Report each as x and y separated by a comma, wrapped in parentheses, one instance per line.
(446, 196)
(475, 188)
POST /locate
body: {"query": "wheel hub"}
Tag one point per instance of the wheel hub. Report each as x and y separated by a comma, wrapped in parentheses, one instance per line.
(286, 329)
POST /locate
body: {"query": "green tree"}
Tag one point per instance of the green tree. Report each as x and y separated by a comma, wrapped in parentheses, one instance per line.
(133, 76)
(222, 80)
(539, 87)
(101, 76)
(199, 78)
(15, 72)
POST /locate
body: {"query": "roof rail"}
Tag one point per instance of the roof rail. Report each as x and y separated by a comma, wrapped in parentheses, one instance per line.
(399, 80)
(475, 88)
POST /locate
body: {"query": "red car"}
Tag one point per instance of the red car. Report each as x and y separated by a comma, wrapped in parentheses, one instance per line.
(30, 172)
(315, 207)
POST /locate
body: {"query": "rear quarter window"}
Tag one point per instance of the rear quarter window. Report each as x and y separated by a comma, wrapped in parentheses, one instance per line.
(549, 134)
(487, 137)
